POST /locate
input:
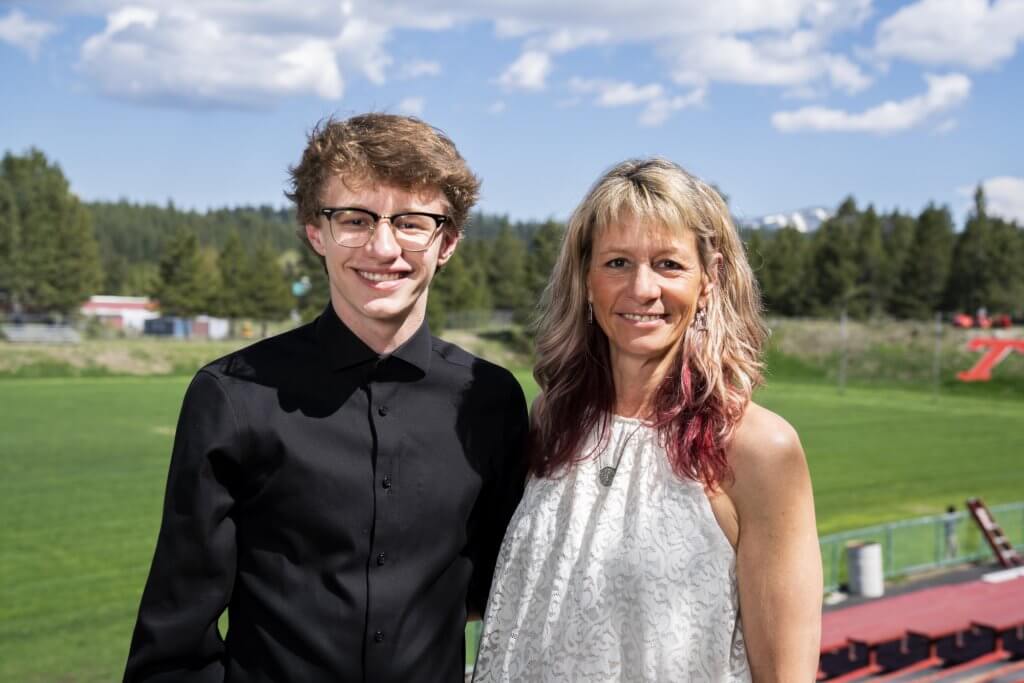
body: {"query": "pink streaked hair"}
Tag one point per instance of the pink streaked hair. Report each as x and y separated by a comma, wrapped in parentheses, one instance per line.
(703, 395)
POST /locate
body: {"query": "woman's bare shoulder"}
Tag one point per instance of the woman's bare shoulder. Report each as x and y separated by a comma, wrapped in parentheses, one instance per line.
(765, 452)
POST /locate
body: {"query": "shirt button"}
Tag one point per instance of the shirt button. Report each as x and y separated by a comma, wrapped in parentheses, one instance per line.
(378, 637)
(386, 482)
(380, 559)
(382, 411)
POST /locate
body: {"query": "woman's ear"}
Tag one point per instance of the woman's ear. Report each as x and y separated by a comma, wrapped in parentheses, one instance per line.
(710, 279)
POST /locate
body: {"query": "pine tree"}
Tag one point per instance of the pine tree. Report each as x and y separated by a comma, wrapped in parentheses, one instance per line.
(926, 268)
(834, 259)
(459, 287)
(897, 236)
(58, 258)
(183, 289)
(508, 271)
(141, 278)
(269, 292)
(544, 247)
(870, 256)
(79, 275)
(787, 286)
(970, 278)
(10, 243)
(1005, 293)
(233, 300)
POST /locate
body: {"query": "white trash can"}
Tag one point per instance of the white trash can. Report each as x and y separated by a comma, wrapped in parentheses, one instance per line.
(864, 569)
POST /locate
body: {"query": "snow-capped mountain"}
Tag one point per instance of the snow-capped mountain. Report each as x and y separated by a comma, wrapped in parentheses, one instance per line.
(804, 220)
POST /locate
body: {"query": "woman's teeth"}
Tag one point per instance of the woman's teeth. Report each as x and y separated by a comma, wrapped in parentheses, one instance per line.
(641, 318)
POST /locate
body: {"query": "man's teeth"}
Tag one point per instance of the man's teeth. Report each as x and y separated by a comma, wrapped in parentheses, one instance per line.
(380, 277)
(641, 318)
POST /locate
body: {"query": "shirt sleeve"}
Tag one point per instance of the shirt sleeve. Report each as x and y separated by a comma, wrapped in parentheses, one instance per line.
(502, 494)
(190, 582)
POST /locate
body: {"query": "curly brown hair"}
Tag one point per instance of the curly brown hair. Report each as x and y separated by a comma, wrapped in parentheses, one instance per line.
(381, 148)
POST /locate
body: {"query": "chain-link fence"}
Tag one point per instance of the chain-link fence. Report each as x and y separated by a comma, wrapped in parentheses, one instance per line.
(922, 544)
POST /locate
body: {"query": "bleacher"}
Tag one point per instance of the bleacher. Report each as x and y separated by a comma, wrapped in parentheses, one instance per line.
(971, 631)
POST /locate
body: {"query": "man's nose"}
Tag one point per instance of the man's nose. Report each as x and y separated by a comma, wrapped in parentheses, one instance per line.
(382, 242)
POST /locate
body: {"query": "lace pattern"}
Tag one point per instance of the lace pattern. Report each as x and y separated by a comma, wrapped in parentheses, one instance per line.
(631, 582)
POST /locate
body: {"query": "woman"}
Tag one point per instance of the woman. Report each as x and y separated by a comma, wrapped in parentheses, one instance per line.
(663, 503)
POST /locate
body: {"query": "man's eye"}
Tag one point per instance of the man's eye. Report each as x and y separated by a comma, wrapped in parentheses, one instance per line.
(414, 223)
(348, 220)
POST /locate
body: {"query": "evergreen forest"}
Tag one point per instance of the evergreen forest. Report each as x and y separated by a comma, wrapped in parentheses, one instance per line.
(249, 263)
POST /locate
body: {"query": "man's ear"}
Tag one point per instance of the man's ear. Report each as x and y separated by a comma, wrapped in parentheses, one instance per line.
(448, 243)
(316, 238)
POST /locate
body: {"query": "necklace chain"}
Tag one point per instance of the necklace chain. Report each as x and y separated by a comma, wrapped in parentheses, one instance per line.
(607, 473)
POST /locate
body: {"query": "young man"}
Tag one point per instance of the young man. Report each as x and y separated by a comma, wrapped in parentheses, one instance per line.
(343, 488)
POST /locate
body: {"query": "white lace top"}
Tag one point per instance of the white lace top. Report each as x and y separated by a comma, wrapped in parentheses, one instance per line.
(631, 582)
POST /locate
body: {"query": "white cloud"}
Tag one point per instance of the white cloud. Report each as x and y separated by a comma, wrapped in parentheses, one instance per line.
(568, 39)
(412, 106)
(971, 33)
(845, 75)
(179, 55)
(616, 93)
(361, 44)
(943, 93)
(529, 72)
(419, 68)
(18, 30)
(1004, 197)
(658, 105)
(658, 111)
(793, 61)
(944, 127)
(275, 48)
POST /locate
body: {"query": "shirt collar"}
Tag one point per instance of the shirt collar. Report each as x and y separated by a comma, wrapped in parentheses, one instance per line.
(346, 350)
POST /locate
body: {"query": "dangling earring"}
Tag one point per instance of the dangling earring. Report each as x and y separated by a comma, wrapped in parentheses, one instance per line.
(700, 321)
(590, 313)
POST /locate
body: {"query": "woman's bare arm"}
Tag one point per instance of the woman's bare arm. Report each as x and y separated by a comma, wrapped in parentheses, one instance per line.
(778, 560)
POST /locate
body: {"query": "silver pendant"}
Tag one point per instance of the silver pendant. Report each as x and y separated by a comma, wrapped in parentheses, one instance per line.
(606, 475)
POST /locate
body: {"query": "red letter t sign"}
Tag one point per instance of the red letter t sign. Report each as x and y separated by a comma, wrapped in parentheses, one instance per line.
(998, 349)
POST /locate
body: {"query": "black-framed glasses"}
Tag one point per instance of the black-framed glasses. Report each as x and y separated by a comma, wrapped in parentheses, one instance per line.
(413, 230)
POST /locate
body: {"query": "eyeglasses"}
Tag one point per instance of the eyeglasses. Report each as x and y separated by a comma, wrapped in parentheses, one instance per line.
(413, 230)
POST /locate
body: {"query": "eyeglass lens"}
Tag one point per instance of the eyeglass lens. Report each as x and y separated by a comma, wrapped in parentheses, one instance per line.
(352, 228)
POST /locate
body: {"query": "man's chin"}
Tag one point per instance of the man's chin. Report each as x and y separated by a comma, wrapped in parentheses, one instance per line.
(384, 310)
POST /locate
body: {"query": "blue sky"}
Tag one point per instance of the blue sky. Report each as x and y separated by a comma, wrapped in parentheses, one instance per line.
(782, 103)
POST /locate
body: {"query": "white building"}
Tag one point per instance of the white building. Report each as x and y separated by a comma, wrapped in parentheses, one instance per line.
(127, 313)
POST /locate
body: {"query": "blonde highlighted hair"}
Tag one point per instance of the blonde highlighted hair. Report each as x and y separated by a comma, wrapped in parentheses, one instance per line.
(701, 399)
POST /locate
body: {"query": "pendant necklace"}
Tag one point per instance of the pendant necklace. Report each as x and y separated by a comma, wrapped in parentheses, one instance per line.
(607, 473)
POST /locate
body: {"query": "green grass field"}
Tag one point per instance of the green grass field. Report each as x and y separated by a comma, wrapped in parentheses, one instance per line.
(84, 462)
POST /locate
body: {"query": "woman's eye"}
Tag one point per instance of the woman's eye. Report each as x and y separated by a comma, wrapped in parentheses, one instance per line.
(617, 263)
(671, 265)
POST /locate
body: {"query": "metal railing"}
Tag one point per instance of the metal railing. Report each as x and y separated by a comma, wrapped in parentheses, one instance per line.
(921, 544)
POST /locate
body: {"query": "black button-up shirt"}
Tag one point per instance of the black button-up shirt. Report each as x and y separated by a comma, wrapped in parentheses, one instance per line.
(346, 508)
